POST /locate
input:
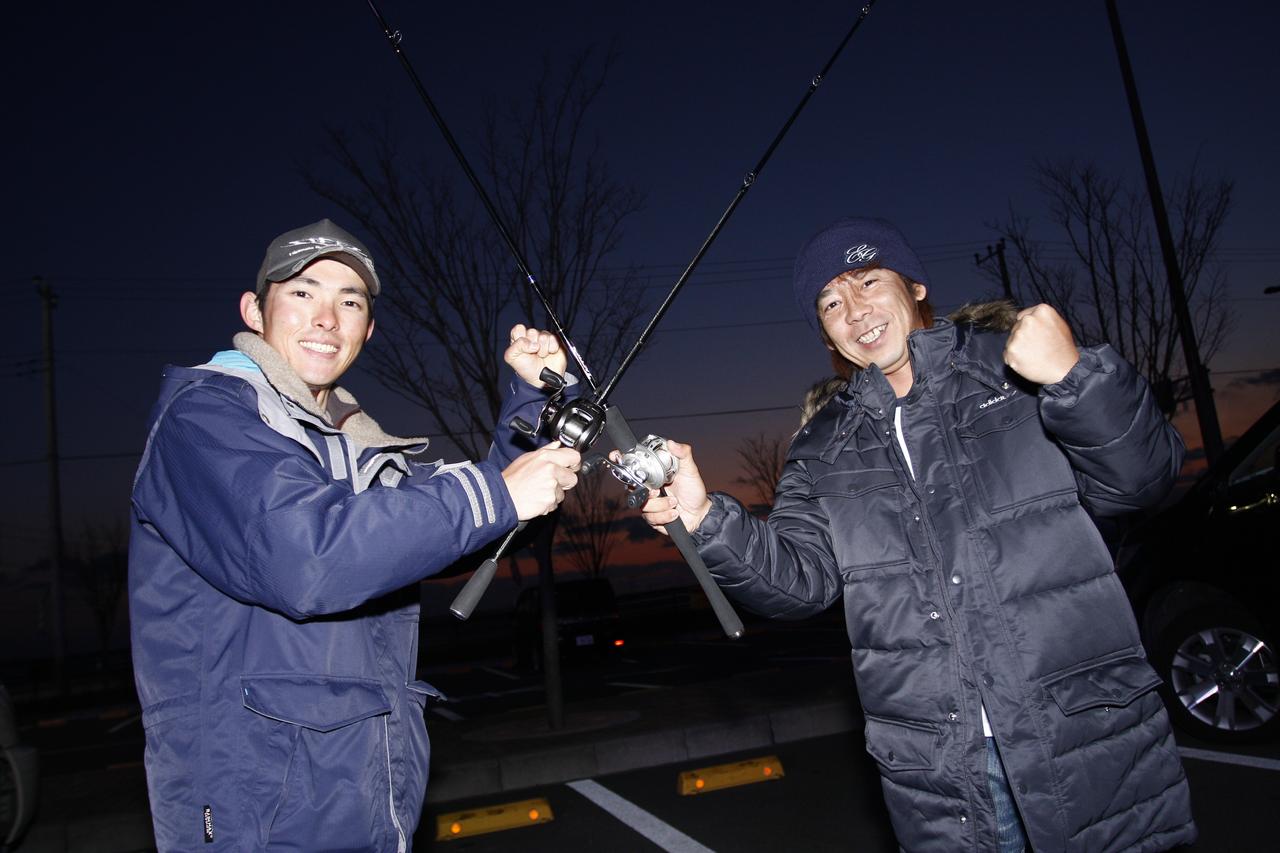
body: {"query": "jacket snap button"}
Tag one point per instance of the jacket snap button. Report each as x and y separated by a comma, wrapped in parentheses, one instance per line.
(953, 717)
(955, 579)
(917, 518)
(933, 614)
(892, 757)
(988, 680)
(1022, 788)
(964, 819)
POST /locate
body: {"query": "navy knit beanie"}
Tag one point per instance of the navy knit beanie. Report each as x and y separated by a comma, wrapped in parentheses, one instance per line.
(850, 244)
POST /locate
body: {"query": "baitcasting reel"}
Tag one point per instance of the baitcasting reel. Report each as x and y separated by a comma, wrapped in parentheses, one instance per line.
(576, 423)
(647, 466)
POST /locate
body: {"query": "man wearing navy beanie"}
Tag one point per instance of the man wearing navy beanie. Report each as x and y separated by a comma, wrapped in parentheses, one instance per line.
(946, 495)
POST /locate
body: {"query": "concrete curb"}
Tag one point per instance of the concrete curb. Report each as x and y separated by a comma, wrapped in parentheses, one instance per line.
(600, 756)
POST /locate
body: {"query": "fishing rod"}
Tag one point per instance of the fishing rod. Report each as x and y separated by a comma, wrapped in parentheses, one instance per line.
(393, 38)
(642, 465)
(574, 424)
(747, 182)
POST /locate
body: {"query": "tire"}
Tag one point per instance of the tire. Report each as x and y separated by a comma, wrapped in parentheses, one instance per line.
(1221, 673)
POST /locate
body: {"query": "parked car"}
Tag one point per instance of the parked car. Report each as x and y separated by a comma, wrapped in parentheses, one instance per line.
(19, 777)
(587, 621)
(1204, 580)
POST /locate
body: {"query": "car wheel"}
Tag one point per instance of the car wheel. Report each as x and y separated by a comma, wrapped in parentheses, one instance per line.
(1221, 676)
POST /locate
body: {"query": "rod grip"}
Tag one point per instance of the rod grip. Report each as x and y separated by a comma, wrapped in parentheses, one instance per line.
(728, 617)
(473, 590)
(624, 439)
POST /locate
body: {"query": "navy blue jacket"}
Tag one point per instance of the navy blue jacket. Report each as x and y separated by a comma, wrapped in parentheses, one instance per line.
(981, 581)
(274, 624)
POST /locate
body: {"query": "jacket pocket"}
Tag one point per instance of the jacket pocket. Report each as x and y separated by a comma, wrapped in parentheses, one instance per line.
(864, 509)
(1015, 461)
(1114, 682)
(318, 762)
(902, 744)
(322, 703)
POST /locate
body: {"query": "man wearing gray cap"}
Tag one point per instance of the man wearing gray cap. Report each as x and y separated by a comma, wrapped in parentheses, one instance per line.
(277, 537)
(945, 495)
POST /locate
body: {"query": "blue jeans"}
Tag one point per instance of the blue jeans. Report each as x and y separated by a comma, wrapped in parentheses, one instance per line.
(1009, 832)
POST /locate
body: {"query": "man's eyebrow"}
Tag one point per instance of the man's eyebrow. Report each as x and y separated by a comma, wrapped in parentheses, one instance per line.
(358, 291)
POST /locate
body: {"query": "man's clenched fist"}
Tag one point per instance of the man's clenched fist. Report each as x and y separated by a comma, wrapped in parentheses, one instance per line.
(1040, 346)
(531, 350)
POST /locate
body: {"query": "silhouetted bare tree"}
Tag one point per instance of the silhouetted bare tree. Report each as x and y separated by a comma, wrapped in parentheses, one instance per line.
(762, 457)
(451, 281)
(1110, 282)
(591, 513)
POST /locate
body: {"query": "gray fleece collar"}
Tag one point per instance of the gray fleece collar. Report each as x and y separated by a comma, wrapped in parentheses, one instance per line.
(344, 411)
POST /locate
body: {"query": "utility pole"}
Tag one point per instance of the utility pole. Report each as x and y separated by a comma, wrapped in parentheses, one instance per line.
(1201, 390)
(998, 252)
(49, 302)
(553, 685)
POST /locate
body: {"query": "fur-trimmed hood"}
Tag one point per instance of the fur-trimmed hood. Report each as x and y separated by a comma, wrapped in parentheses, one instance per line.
(343, 410)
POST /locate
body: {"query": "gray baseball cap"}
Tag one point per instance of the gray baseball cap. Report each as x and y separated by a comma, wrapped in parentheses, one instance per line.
(289, 253)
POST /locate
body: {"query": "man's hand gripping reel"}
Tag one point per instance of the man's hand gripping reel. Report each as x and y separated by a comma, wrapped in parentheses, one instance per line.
(642, 466)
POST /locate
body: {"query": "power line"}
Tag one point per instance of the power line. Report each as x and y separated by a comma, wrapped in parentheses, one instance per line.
(134, 454)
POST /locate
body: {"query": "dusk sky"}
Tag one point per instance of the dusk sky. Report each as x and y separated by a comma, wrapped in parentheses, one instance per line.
(154, 150)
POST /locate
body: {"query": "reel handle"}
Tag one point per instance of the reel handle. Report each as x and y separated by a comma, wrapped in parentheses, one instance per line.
(551, 379)
(621, 435)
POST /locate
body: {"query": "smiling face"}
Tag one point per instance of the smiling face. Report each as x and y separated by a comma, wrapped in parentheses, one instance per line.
(319, 320)
(866, 316)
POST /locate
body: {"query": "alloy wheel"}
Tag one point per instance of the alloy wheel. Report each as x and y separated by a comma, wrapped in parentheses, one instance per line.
(1227, 679)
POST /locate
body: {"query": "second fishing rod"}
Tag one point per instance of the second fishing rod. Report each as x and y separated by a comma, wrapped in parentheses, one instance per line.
(642, 465)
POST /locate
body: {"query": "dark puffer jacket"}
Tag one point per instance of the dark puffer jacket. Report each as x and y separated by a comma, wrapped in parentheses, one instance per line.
(983, 580)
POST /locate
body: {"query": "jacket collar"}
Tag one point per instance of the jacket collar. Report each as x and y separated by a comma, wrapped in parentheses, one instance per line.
(343, 411)
(931, 350)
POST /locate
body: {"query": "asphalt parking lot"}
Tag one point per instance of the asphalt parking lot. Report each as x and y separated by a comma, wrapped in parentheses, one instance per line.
(635, 721)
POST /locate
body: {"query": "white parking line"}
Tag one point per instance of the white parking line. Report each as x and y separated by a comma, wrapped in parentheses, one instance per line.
(127, 721)
(1230, 758)
(806, 658)
(447, 714)
(499, 672)
(659, 832)
(494, 694)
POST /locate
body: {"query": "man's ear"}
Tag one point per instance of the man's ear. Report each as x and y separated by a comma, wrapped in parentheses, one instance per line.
(249, 311)
(369, 331)
(919, 291)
